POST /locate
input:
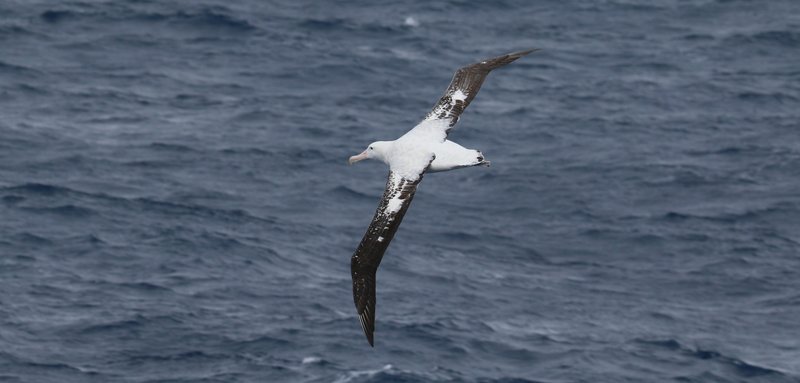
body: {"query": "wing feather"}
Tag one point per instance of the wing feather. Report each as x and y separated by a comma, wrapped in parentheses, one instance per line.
(465, 85)
(367, 257)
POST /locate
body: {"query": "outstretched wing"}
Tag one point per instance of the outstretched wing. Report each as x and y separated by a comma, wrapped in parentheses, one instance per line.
(465, 85)
(364, 264)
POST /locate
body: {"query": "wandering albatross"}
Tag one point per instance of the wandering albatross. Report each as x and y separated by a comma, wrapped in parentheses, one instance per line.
(425, 148)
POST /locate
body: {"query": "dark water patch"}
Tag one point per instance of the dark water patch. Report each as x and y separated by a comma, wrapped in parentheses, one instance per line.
(33, 239)
(306, 154)
(217, 19)
(152, 164)
(138, 204)
(348, 193)
(741, 368)
(783, 38)
(12, 199)
(17, 70)
(56, 16)
(16, 91)
(170, 147)
(728, 150)
(38, 189)
(256, 116)
(694, 37)
(510, 380)
(779, 97)
(655, 66)
(19, 363)
(213, 18)
(9, 31)
(504, 351)
(340, 24)
(686, 178)
(790, 39)
(787, 300)
(198, 210)
(84, 239)
(66, 211)
(191, 101)
(127, 325)
(135, 324)
(263, 342)
(118, 120)
(733, 216)
(145, 287)
(248, 152)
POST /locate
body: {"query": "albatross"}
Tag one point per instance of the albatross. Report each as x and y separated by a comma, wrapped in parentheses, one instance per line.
(423, 149)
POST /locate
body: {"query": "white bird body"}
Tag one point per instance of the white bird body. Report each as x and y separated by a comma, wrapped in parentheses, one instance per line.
(450, 155)
(423, 149)
(447, 155)
(413, 151)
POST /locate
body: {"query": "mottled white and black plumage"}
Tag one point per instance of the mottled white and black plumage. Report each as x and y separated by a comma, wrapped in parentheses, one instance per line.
(424, 148)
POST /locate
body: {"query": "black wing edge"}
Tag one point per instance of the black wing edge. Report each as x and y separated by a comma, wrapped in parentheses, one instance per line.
(367, 257)
(468, 80)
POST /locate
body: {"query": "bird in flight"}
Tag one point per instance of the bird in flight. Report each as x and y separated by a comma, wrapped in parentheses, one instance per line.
(423, 149)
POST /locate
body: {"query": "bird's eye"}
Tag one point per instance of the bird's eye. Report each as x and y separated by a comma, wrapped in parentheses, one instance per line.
(371, 148)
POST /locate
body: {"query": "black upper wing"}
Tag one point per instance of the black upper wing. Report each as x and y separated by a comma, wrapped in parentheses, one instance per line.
(465, 85)
(364, 263)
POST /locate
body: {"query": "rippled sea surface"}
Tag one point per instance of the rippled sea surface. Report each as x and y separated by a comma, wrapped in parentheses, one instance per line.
(176, 206)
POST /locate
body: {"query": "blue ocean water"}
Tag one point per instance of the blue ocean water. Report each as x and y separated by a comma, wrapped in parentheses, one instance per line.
(176, 206)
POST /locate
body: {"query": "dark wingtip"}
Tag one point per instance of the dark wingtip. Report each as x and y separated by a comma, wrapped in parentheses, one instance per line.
(523, 53)
(497, 62)
(368, 327)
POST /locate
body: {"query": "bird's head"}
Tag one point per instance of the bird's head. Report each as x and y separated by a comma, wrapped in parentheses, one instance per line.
(376, 150)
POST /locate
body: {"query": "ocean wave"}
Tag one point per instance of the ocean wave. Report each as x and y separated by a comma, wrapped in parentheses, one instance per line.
(780, 97)
(31, 238)
(9, 31)
(361, 375)
(146, 287)
(17, 69)
(28, 363)
(509, 380)
(733, 216)
(786, 300)
(785, 38)
(739, 366)
(346, 192)
(126, 325)
(390, 373)
(55, 16)
(140, 203)
(68, 211)
(212, 18)
(332, 24)
(503, 351)
(195, 356)
(12, 199)
(257, 116)
(262, 342)
(523, 328)
(37, 189)
(789, 38)
(314, 360)
(698, 37)
(170, 147)
(685, 177)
